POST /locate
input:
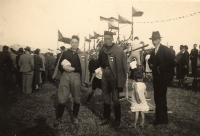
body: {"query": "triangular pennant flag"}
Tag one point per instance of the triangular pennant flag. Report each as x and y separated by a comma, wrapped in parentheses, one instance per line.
(123, 20)
(136, 13)
(60, 36)
(50, 49)
(96, 35)
(87, 40)
(110, 26)
(65, 40)
(91, 37)
(111, 19)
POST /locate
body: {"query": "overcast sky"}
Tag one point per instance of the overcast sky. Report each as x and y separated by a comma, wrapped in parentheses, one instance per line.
(36, 23)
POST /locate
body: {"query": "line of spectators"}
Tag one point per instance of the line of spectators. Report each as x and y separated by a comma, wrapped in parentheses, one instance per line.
(25, 69)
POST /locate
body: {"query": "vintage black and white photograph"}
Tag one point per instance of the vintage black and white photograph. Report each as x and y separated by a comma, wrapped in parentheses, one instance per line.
(99, 67)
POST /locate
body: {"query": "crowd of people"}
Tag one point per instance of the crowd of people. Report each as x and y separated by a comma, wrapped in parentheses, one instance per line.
(25, 69)
(186, 64)
(108, 69)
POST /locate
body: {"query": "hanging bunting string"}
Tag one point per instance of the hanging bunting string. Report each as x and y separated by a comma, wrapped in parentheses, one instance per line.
(172, 19)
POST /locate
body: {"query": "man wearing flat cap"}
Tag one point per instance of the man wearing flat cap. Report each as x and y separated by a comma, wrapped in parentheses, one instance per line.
(162, 63)
(113, 62)
(72, 64)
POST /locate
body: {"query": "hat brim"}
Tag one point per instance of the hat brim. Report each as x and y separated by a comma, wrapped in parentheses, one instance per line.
(27, 49)
(155, 38)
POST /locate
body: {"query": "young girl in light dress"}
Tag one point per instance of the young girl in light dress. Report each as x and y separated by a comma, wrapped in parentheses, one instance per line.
(139, 104)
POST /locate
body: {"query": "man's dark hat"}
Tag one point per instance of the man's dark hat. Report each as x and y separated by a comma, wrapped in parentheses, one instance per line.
(136, 38)
(37, 51)
(27, 48)
(186, 47)
(5, 48)
(62, 47)
(75, 37)
(155, 36)
(20, 50)
(108, 33)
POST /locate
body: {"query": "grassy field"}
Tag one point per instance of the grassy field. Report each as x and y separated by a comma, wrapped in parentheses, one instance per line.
(34, 115)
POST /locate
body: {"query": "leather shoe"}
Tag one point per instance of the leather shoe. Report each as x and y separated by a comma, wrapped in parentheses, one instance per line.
(118, 125)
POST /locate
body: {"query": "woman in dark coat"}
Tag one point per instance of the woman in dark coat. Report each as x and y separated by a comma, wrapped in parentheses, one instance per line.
(183, 65)
(37, 66)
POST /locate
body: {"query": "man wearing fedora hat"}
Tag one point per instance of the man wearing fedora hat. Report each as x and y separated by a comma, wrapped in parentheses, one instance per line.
(113, 62)
(162, 63)
(26, 63)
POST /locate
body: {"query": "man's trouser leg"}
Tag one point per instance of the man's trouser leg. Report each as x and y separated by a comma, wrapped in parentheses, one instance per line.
(115, 98)
(60, 111)
(63, 93)
(76, 92)
(160, 90)
(27, 82)
(106, 96)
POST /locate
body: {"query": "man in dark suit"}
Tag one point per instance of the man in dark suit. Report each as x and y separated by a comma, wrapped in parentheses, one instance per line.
(162, 63)
(172, 50)
(193, 58)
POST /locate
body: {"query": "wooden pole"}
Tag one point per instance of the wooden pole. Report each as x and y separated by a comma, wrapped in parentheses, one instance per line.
(57, 48)
(132, 30)
(94, 44)
(84, 46)
(118, 29)
(138, 48)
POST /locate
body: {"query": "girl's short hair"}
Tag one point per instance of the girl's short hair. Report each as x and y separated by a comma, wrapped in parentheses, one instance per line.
(138, 75)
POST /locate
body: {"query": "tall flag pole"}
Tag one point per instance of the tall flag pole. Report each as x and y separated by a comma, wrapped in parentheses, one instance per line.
(132, 28)
(90, 37)
(84, 46)
(87, 40)
(135, 13)
(118, 29)
(57, 48)
(122, 20)
(94, 44)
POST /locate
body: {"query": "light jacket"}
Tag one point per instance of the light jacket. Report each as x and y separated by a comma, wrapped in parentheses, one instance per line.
(26, 63)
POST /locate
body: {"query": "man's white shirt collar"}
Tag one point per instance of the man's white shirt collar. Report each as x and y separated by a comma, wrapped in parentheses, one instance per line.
(156, 49)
